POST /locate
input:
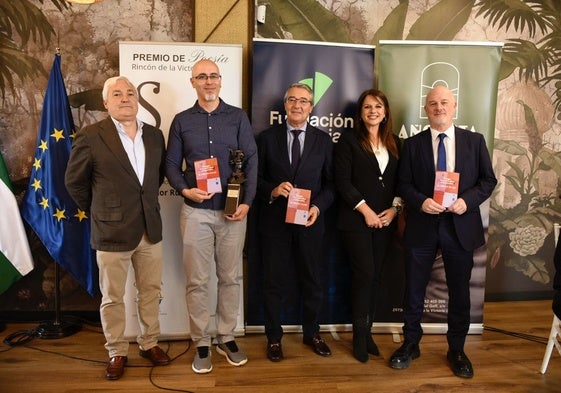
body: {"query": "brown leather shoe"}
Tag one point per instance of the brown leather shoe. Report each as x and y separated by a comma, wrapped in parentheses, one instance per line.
(317, 343)
(115, 368)
(156, 356)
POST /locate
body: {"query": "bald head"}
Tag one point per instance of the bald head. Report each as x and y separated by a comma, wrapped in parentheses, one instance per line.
(204, 64)
(440, 107)
(206, 79)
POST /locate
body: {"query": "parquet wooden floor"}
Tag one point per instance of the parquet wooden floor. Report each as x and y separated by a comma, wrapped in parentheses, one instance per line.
(502, 363)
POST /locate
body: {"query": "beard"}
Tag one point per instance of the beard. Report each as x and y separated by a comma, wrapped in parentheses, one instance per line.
(440, 122)
(210, 97)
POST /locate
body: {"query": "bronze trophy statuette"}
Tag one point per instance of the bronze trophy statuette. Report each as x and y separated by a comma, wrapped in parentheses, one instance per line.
(235, 188)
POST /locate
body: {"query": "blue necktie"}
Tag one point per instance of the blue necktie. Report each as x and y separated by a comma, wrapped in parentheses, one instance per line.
(295, 151)
(441, 154)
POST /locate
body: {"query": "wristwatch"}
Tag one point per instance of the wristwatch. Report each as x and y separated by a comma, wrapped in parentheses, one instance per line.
(397, 208)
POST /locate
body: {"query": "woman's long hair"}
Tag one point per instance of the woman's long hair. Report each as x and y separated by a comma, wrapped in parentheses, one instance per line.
(385, 128)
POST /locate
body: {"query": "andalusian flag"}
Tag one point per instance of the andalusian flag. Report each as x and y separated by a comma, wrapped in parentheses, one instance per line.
(15, 255)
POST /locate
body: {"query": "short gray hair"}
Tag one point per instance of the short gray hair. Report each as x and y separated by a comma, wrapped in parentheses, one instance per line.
(111, 82)
(301, 86)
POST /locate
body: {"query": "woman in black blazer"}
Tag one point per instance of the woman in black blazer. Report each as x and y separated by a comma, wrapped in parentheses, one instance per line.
(366, 160)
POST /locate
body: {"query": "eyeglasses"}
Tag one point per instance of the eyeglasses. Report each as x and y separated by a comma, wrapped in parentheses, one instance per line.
(294, 100)
(204, 77)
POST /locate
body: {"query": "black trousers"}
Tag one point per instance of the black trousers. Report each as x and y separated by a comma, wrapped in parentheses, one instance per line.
(458, 265)
(295, 255)
(366, 252)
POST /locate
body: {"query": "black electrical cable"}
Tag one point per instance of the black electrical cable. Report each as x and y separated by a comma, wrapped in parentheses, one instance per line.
(20, 337)
(151, 378)
(23, 337)
(529, 337)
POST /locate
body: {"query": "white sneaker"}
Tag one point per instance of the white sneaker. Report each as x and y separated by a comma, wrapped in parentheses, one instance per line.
(202, 363)
(234, 355)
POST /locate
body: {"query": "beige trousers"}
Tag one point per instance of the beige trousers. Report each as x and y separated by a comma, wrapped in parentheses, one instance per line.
(208, 238)
(146, 260)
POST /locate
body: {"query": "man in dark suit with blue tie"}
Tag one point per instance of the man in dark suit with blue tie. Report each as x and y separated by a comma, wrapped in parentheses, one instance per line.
(291, 155)
(456, 230)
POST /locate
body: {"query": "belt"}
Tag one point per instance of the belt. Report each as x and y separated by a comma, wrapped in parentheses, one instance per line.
(445, 216)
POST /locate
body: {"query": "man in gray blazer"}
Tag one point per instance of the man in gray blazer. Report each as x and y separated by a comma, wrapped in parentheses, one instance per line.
(115, 169)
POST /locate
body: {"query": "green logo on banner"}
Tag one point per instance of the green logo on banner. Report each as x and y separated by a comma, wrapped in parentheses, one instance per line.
(320, 83)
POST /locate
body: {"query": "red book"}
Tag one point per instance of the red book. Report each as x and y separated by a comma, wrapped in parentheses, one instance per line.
(446, 185)
(208, 175)
(298, 206)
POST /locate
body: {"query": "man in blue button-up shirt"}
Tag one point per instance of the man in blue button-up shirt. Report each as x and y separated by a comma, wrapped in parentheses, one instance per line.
(211, 129)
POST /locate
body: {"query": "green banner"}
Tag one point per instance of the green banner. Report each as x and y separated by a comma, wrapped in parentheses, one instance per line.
(406, 71)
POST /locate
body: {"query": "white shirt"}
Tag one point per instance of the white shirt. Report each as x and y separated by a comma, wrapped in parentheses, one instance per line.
(134, 148)
(382, 156)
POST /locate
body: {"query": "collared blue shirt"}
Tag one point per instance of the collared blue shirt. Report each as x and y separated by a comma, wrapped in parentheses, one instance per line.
(196, 134)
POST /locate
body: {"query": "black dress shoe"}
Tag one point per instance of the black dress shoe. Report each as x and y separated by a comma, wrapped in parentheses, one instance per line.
(460, 364)
(274, 351)
(402, 357)
(317, 343)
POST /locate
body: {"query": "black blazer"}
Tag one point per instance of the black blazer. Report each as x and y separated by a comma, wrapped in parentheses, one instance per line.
(315, 173)
(416, 183)
(101, 180)
(358, 177)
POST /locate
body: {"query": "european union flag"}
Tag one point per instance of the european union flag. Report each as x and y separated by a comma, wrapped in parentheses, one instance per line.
(47, 207)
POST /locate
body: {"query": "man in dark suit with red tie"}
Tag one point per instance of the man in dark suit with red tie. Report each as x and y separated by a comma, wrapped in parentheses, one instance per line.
(291, 155)
(456, 230)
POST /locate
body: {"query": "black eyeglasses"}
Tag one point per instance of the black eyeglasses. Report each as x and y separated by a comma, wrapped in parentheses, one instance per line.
(204, 77)
(294, 100)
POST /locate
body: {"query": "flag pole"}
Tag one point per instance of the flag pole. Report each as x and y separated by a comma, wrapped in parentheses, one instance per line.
(60, 327)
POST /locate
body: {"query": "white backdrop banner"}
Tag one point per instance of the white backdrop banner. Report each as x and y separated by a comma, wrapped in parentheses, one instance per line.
(161, 72)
